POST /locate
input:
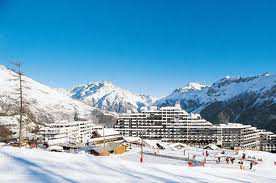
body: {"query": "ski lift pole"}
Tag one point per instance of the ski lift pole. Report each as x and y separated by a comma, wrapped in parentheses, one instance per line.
(142, 154)
(104, 136)
(142, 150)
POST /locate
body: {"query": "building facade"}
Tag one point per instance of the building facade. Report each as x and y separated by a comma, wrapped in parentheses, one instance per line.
(172, 124)
(267, 141)
(234, 135)
(67, 132)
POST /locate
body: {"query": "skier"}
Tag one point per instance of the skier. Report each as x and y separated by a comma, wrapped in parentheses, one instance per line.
(232, 160)
(251, 165)
(241, 165)
(227, 160)
(218, 160)
(243, 156)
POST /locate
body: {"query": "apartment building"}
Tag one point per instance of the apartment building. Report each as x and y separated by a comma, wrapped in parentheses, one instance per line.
(172, 124)
(234, 135)
(267, 141)
(67, 132)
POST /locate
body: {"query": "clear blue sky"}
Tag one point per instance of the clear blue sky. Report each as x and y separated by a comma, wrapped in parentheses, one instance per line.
(146, 46)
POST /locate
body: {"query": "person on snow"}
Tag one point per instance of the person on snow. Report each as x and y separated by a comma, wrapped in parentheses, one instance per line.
(218, 159)
(232, 160)
(241, 165)
(227, 160)
(251, 165)
(243, 156)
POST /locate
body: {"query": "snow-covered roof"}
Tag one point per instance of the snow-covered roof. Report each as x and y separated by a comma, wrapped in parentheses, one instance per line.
(212, 146)
(54, 147)
(132, 139)
(234, 125)
(107, 132)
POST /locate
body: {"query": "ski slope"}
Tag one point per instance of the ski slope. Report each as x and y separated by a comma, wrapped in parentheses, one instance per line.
(35, 165)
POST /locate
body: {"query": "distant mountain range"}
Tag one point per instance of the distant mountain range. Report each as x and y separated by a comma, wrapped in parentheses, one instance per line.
(249, 100)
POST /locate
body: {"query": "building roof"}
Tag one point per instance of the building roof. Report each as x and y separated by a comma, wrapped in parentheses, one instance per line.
(234, 125)
(107, 132)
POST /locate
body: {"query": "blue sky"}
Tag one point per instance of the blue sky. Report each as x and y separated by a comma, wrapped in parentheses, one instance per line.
(146, 46)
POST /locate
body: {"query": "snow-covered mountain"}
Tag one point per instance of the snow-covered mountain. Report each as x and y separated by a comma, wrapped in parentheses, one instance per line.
(104, 95)
(42, 103)
(250, 100)
(231, 99)
(222, 90)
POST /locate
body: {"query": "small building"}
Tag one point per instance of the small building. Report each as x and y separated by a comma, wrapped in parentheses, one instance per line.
(99, 152)
(105, 135)
(211, 147)
(267, 141)
(107, 139)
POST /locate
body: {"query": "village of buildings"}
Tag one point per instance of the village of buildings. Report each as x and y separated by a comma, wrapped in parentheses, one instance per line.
(167, 124)
(168, 135)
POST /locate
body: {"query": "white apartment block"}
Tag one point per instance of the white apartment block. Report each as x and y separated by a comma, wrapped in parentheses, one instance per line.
(267, 141)
(233, 135)
(172, 124)
(67, 132)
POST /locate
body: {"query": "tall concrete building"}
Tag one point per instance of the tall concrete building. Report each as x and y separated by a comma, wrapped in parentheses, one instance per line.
(173, 124)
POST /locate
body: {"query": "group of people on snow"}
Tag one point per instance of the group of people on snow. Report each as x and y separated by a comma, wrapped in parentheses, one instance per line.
(229, 159)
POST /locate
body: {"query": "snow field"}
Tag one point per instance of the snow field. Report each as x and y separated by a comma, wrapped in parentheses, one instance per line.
(35, 165)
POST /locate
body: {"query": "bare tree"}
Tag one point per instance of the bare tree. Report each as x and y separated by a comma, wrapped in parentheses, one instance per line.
(19, 75)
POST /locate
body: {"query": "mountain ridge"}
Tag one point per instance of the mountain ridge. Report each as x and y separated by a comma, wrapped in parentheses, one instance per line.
(248, 100)
(105, 95)
(42, 103)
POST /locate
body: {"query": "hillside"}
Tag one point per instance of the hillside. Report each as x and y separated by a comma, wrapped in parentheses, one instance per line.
(248, 100)
(42, 104)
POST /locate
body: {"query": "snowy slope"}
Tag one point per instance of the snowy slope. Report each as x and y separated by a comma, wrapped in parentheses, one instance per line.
(27, 165)
(223, 90)
(105, 95)
(44, 103)
(249, 100)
